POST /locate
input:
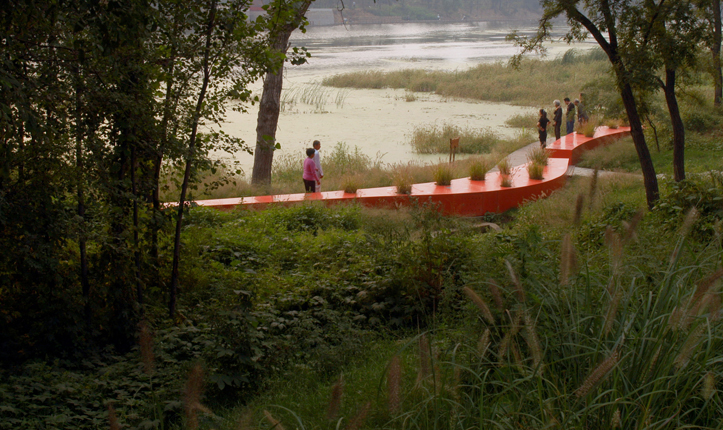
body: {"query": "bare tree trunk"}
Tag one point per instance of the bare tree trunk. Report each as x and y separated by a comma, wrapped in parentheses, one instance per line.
(136, 226)
(268, 120)
(677, 123)
(158, 162)
(636, 131)
(270, 105)
(189, 161)
(715, 51)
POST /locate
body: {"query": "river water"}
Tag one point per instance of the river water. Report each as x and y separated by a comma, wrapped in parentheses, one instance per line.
(380, 122)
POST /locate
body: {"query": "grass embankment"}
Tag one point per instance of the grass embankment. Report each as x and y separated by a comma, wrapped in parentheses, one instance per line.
(536, 83)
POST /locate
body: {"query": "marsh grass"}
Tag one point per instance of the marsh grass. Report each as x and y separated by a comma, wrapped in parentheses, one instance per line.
(434, 139)
(506, 182)
(314, 95)
(402, 178)
(619, 155)
(492, 82)
(523, 120)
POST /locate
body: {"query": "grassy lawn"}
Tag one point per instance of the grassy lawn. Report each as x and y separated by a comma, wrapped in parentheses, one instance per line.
(621, 157)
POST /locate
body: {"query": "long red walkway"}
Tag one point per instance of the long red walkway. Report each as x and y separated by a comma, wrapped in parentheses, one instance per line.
(464, 196)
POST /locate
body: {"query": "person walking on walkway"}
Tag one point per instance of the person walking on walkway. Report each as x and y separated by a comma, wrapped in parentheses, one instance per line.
(570, 116)
(542, 128)
(310, 177)
(557, 118)
(317, 162)
(582, 117)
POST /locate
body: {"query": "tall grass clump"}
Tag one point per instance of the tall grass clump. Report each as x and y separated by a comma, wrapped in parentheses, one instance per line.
(535, 170)
(478, 168)
(443, 174)
(588, 128)
(504, 166)
(538, 155)
(528, 120)
(434, 139)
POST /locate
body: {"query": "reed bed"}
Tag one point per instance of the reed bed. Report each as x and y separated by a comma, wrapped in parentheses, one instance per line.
(434, 139)
(536, 83)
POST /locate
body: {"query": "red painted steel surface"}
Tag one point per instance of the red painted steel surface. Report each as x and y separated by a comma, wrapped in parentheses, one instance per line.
(463, 196)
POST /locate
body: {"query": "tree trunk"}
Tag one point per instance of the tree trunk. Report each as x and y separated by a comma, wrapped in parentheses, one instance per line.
(270, 105)
(715, 51)
(268, 119)
(80, 166)
(136, 226)
(677, 123)
(189, 161)
(157, 217)
(636, 130)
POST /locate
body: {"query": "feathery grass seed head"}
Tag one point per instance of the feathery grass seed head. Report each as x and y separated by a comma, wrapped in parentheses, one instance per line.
(481, 305)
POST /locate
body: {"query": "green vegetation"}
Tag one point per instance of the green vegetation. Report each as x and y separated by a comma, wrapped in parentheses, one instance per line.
(537, 83)
(478, 168)
(434, 139)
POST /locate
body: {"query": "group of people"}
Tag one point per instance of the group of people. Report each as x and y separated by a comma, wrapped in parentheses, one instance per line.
(313, 172)
(572, 108)
(312, 169)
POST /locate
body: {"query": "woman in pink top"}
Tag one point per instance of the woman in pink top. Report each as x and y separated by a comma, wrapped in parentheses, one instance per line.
(310, 176)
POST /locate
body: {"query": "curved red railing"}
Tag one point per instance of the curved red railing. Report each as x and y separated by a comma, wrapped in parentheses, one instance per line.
(463, 196)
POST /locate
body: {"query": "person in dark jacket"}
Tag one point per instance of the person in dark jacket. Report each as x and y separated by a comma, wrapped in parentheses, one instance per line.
(570, 116)
(557, 118)
(542, 128)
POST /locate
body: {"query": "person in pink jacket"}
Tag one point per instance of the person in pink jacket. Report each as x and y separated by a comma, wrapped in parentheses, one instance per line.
(311, 177)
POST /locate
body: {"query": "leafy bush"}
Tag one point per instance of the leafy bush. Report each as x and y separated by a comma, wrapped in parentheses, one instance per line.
(704, 193)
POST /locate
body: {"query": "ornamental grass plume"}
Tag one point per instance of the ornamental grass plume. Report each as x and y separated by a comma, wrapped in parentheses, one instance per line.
(192, 397)
(337, 391)
(275, 424)
(508, 338)
(496, 295)
(612, 311)
(533, 342)
(519, 291)
(506, 182)
(357, 422)
(690, 218)
(708, 389)
(484, 343)
(689, 347)
(394, 384)
(113, 418)
(145, 343)
(631, 226)
(481, 305)
(593, 189)
(615, 245)
(424, 367)
(578, 209)
(568, 259)
(598, 374)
